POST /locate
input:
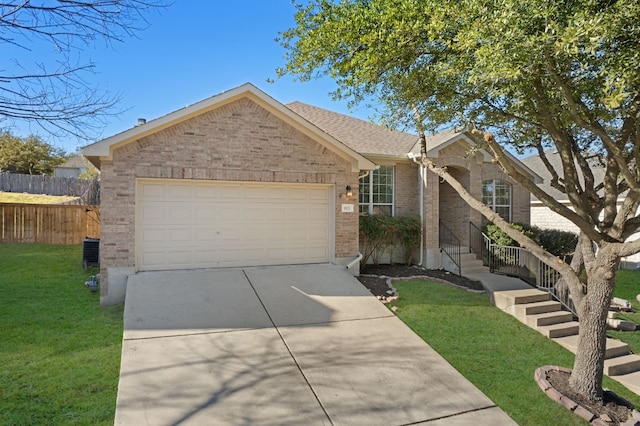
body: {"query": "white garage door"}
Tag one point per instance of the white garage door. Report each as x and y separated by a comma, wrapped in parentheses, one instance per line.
(182, 225)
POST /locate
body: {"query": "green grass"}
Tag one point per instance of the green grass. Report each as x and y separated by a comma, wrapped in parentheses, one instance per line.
(20, 198)
(59, 351)
(490, 348)
(628, 287)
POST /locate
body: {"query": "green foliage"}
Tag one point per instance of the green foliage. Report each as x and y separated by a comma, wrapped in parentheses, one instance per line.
(408, 234)
(90, 173)
(498, 236)
(379, 233)
(30, 155)
(375, 236)
(498, 63)
(60, 350)
(557, 242)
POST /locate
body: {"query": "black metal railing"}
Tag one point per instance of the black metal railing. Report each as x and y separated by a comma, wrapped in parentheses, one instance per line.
(479, 244)
(450, 245)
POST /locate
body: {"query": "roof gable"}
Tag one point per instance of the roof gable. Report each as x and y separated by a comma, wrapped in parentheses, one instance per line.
(103, 150)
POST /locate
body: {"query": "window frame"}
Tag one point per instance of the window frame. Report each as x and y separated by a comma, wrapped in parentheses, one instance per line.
(369, 190)
(493, 205)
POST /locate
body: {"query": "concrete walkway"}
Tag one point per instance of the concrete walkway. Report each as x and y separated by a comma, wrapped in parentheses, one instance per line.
(620, 364)
(281, 346)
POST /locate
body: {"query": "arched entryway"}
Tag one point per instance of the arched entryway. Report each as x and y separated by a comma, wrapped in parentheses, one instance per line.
(453, 211)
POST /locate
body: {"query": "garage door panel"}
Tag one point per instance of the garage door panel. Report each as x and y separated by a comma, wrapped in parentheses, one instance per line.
(191, 224)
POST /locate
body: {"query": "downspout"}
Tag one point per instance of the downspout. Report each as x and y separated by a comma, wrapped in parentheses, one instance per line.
(421, 183)
(354, 261)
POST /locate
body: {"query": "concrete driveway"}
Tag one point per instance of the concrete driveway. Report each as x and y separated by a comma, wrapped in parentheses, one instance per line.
(284, 345)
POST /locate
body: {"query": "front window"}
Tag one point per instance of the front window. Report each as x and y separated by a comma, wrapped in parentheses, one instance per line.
(497, 195)
(376, 192)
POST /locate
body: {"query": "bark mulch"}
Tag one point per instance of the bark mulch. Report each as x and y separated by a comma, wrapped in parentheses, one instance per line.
(611, 410)
(374, 277)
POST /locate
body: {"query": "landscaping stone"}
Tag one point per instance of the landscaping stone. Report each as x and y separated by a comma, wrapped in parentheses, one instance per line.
(619, 406)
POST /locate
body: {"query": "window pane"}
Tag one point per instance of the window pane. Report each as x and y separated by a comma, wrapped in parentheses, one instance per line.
(504, 212)
(376, 191)
(382, 210)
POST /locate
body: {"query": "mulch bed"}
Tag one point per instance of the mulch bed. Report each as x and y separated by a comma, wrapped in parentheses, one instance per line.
(612, 410)
(374, 277)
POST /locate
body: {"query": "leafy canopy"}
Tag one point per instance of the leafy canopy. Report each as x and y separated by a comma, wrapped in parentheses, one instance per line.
(30, 155)
(495, 63)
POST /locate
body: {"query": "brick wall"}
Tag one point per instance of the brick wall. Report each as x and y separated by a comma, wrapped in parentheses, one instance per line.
(407, 191)
(238, 141)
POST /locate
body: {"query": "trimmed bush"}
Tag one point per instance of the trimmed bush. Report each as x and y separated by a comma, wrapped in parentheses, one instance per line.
(379, 234)
(557, 242)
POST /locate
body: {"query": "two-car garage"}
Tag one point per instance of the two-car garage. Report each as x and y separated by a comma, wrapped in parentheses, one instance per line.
(202, 224)
(234, 180)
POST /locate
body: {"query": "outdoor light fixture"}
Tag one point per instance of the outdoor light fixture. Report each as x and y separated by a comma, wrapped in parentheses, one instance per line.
(349, 191)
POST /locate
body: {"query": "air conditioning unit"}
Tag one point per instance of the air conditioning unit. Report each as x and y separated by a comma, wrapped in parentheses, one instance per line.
(90, 252)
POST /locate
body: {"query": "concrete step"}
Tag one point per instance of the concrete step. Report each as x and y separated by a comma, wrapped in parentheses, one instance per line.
(538, 308)
(622, 365)
(548, 318)
(615, 348)
(559, 330)
(509, 298)
(630, 380)
(473, 264)
(470, 260)
(474, 270)
(468, 256)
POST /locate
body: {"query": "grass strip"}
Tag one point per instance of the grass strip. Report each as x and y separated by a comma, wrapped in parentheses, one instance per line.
(492, 349)
(59, 351)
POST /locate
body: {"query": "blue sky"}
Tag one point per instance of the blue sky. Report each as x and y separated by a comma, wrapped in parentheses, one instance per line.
(193, 50)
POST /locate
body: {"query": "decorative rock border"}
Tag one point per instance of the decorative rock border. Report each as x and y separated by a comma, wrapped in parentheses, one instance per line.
(540, 376)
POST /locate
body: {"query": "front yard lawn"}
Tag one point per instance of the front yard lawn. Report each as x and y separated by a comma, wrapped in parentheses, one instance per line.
(628, 287)
(59, 351)
(490, 348)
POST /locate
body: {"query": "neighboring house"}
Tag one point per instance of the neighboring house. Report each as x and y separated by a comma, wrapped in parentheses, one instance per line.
(239, 179)
(71, 168)
(543, 217)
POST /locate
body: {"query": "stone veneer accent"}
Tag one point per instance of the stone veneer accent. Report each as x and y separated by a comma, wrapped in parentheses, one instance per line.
(239, 141)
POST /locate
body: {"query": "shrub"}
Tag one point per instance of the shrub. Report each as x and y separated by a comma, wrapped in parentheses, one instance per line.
(408, 234)
(375, 237)
(557, 242)
(498, 236)
(381, 233)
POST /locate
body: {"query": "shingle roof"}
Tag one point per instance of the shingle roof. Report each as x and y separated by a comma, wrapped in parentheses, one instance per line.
(75, 162)
(362, 136)
(535, 163)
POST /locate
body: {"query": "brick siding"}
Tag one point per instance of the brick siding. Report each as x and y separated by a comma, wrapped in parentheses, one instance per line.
(240, 141)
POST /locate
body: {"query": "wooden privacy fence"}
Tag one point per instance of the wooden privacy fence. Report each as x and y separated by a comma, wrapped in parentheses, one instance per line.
(49, 224)
(87, 190)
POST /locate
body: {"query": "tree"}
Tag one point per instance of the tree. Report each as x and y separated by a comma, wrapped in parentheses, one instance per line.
(532, 74)
(29, 155)
(56, 95)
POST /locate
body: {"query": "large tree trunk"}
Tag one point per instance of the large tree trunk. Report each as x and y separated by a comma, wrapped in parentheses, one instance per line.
(586, 377)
